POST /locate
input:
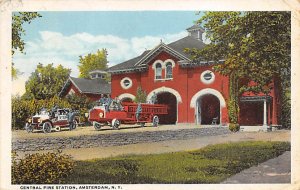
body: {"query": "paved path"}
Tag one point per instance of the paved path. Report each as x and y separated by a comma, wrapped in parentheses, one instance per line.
(276, 170)
(170, 145)
(114, 139)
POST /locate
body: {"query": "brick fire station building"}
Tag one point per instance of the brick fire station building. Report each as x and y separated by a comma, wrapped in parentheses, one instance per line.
(193, 91)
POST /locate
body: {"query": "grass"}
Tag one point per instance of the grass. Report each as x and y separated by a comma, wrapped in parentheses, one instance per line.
(211, 164)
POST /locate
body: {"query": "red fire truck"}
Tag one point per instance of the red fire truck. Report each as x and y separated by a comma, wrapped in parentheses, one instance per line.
(126, 113)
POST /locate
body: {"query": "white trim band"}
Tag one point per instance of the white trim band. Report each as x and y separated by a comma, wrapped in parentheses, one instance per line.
(208, 91)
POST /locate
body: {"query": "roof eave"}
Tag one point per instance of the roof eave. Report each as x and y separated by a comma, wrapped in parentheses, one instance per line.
(130, 70)
(148, 56)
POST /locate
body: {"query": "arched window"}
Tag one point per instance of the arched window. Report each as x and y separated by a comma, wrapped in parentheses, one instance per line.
(158, 71)
(169, 71)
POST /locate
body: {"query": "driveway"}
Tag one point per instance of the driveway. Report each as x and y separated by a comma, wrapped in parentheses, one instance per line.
(146, 140)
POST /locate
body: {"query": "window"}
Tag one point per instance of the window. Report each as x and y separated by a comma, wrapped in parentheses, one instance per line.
(93, 76)
(158, 71)
(169, 72)
(126, 83)
(207, 77)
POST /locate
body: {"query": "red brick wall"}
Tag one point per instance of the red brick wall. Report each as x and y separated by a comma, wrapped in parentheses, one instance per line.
(185, 81)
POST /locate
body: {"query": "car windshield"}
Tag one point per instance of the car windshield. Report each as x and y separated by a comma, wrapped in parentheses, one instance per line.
(44, 112)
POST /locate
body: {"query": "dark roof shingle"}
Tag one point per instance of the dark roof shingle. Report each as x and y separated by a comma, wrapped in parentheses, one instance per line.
(93, 86)
(129, 63)
(186, 42)
(178, 46)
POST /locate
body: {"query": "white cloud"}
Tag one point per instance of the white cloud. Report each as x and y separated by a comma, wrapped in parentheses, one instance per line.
(54, 47)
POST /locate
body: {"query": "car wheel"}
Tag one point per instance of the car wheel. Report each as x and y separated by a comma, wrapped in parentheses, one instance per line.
(47, 127)
(28, 128)
(115, 124)
(75, 124)
(97, 125)
(155, 121)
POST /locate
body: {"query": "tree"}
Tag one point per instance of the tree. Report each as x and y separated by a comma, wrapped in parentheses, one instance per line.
(141, 95)
(254, 45)
(18, 19)
(46, 81)
(97, 61)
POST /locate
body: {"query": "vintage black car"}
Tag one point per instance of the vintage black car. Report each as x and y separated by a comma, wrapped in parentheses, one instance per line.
(56, 119)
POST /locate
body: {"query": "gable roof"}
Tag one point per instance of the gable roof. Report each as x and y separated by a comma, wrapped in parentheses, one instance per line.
(176, 49)
(87, 86)
(128, 64)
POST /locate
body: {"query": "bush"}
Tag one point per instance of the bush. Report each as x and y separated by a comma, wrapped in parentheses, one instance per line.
(234, 127)
(141, 95)
(46, 168)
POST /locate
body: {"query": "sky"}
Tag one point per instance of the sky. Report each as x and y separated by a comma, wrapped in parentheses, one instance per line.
(61, 37)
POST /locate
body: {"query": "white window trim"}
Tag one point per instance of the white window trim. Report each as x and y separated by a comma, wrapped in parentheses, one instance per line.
(207, 81)
(163, 66)
(122, 83)
(154, 68)
(171, 61)
(173, 64)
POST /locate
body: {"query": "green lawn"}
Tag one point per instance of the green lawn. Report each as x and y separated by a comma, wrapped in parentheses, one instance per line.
(211, 164)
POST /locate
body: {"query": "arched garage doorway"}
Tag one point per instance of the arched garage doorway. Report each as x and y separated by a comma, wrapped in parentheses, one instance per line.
(126, 100)
(208, 104)
(168, 99)
(208, 110)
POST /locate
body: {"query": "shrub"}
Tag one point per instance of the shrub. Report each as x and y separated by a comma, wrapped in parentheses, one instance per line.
(141, 95)
(46, 168)
(234, 127)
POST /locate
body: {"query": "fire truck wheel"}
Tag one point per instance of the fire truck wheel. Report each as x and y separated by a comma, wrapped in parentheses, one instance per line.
(47, 127)
(115, 124)
(96, 125)
(142, 124)
(28, 128)
(155, 121)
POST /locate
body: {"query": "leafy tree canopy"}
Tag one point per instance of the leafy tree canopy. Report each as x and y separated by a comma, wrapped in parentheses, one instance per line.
(90, 62)
(18, 19)
(255, 45)
(46, 81)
